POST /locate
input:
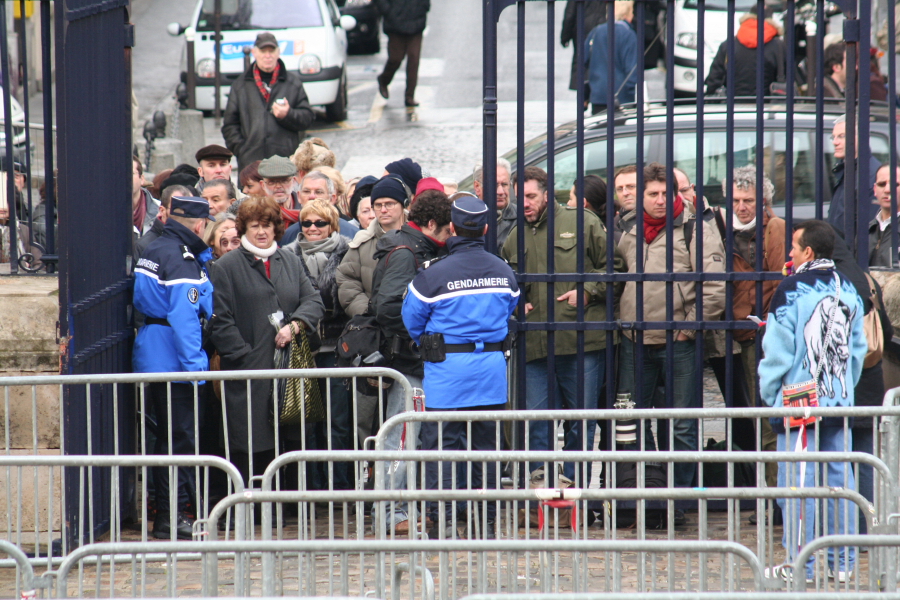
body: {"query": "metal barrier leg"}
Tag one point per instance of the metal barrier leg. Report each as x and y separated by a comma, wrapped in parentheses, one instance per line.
(418, 570)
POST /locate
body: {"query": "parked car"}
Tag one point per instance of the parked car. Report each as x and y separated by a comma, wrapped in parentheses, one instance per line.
(715, 147)
(20, 149)
(363, 38)
(312, 35)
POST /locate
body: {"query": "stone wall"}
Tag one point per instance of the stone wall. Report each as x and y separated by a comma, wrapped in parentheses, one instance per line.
(29, 416)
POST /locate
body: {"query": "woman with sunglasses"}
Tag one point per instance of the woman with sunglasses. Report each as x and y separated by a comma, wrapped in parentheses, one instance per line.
(322, 247)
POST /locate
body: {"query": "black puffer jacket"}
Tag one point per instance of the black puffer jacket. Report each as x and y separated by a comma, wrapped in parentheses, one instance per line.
(250, 129)
(774, 51)
(392, 275)
(405, 17)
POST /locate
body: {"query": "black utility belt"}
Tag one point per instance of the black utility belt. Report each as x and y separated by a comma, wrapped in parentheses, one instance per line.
(155, 321)
(433, 349)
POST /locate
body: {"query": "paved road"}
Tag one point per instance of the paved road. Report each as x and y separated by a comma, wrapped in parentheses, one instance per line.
(445, 132)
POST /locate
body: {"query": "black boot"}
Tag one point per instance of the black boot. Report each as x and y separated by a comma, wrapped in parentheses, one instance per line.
(162, 528)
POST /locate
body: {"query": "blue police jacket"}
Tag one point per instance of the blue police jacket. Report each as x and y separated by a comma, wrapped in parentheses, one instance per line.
(171, 283)
(467, 296)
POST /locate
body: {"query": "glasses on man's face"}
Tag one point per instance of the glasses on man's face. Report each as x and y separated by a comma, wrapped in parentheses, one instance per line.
(277, 182)
(686, 189)
(379, 206)
(320, 193)
(626, 188)
(319, 224)
(839, 137)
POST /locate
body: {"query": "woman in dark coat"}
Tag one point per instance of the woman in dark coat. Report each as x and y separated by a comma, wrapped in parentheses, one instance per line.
(251, 283)
(322, 248)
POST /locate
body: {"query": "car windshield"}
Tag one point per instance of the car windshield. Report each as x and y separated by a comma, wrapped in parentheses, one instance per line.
(260, 14)
(721, 4)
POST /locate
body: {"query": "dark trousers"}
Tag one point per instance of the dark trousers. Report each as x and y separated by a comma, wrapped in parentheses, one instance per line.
(453, 436)
(743, 432)
(340, 426)
(399, 46)
(179, 441)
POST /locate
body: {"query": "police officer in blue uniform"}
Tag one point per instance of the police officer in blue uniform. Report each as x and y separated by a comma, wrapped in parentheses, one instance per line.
(172, 288)
(458, 309)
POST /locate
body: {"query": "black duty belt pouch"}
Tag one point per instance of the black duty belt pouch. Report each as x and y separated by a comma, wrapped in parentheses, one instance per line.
(433, 348)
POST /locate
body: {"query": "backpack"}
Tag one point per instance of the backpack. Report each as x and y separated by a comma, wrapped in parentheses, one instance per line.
(873, 327)
(715, 475)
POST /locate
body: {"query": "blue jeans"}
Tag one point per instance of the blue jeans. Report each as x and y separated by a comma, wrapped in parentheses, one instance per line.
(831, 439)
(341, 434)
(395, 474)
(537, 398)
(652, 371)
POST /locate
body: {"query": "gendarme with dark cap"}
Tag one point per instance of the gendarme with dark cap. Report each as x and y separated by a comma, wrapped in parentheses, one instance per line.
(190, 207)
(277, 167)
(469, 213)
(266, 40)
(213, 151)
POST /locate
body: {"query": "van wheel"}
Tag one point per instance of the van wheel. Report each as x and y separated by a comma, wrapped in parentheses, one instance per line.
(337, 110)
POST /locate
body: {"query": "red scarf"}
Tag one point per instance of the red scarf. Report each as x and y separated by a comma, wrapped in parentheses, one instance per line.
(417, 228)
(257, 77)
(653, 226)
(289, 215)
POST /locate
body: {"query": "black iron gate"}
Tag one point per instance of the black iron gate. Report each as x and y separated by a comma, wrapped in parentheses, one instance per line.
(676, 119)
(93, 62)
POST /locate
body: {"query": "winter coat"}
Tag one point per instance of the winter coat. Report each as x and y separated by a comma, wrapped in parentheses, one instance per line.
(593, 14)
(565, 258)
(745, 49)
(250, 129)
(140, 246)
(332, 324)
(171, 284)
(683, 292)
(467, 297)
(795, 338)
(354, 275)
(392, 275)
(865, 200)
(506, 222)
(245, 338)
(880, 254)
(152, 211)
(744, 249)
(870, 388)
(404, 17)
(625, 63)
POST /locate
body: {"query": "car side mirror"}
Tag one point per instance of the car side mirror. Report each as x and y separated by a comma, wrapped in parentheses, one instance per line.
(175, 29)
(348, 22)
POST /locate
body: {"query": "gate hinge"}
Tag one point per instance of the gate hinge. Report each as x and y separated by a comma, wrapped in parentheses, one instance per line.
(129, 35)
(851, 30)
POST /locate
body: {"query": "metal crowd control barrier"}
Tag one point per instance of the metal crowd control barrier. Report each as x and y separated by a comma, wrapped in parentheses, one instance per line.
(26, 584)
(36, 421)
(515, 553)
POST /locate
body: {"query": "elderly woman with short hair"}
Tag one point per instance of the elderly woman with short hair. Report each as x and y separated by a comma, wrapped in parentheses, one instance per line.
(253, 283)
(322, 247)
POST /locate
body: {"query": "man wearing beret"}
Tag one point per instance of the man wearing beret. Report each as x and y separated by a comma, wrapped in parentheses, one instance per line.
(173, 291)
(214, 161)
(457, 309)
(268, 111)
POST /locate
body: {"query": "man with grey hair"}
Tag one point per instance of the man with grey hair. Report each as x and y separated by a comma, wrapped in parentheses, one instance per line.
(506, 205)
(316, 185)
(867, 207)
(220, 193)
(753, 239)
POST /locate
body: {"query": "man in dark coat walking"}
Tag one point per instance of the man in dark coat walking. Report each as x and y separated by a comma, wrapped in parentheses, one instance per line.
(747, 39)
(403, 22)
(268, 111)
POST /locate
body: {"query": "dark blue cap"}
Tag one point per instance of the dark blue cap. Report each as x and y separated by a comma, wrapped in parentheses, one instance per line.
(190, 207)
(469, 213)
(390, 187)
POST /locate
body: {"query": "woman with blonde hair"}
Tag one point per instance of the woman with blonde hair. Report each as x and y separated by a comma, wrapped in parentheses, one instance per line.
(221, 235)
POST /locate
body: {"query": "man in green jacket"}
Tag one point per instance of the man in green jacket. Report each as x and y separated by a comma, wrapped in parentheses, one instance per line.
(564, 379)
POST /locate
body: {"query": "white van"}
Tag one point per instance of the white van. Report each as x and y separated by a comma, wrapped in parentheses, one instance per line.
(312, 35)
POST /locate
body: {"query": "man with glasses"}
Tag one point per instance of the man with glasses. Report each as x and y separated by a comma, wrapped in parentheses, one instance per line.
(881, 252)
(865, 202)
(278, 182)
(316, 185)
